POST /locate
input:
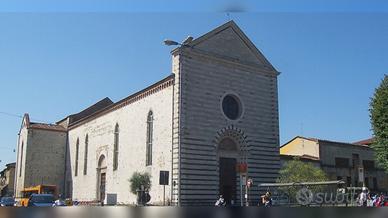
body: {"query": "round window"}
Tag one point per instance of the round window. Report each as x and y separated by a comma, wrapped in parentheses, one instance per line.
(231, 106)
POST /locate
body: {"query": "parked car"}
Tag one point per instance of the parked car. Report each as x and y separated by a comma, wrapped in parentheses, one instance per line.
(7, 202)
(41, 200)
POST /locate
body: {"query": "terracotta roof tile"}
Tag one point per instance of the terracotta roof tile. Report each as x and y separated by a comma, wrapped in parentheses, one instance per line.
(337, 142)
(364, 142)
(88, 111)
(45, 126)
(303, 157)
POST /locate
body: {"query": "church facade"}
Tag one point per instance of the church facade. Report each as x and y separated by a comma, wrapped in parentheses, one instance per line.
(218, 109)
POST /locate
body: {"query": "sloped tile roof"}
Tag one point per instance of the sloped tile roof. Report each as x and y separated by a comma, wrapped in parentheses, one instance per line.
(364, 142)
(304, 157)
(45, 126)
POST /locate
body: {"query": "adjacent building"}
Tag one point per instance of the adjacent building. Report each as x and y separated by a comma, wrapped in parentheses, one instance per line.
(218, 108)
(340, 161)
(40, 155)
(7, 180)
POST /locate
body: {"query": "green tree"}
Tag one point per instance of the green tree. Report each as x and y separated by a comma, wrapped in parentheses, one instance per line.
(140, 179)
(296, 171)
(379, 120)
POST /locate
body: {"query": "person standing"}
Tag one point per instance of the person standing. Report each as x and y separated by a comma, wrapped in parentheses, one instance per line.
(363, 197)
(266, 199)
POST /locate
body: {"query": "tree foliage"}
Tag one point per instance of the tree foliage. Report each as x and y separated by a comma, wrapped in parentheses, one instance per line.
(379, 120)
(296, 171)
(140, 179)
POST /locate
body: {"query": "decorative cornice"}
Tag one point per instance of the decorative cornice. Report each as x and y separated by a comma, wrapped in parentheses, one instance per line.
(54, 129)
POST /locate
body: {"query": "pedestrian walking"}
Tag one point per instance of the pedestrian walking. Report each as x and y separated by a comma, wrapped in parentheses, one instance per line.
(363, 197)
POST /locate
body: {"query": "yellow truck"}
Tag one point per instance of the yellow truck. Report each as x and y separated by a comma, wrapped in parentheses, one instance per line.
(39, 189)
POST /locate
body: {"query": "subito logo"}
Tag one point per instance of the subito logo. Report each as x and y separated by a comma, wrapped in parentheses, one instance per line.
(304, 196)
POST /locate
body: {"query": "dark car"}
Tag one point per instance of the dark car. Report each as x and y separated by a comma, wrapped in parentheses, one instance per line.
(7, 201)
(41, 200)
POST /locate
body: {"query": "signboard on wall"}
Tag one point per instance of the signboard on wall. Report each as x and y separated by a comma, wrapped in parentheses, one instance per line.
(242, 167)
(163, 177)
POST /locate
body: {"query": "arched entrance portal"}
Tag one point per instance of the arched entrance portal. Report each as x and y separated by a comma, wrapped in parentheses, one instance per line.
(101, 178)
(228, 154)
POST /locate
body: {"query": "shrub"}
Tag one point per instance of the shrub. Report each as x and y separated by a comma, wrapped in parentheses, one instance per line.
(140, 179)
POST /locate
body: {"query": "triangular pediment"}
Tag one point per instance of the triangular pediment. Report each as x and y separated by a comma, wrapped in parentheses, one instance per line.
(229, 41)
(25, 122)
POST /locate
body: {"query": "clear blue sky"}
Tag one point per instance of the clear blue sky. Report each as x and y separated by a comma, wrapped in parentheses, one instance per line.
(55, 63)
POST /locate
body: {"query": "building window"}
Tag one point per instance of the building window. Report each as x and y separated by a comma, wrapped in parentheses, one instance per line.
(86, 154)
(76, 157)
(368, 164)
(231, 106)
(150, 120)
(116, 147)
(21, 160)
(341, 162)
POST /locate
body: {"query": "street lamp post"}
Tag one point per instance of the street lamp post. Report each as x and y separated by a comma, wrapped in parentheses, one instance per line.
(185, 43)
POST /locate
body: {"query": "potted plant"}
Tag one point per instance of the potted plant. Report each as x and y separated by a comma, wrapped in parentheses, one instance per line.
(140, 186)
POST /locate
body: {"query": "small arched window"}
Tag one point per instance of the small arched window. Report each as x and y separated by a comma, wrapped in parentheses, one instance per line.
(76, 157)
(86, 154)
(116, 147)
(150, 120)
